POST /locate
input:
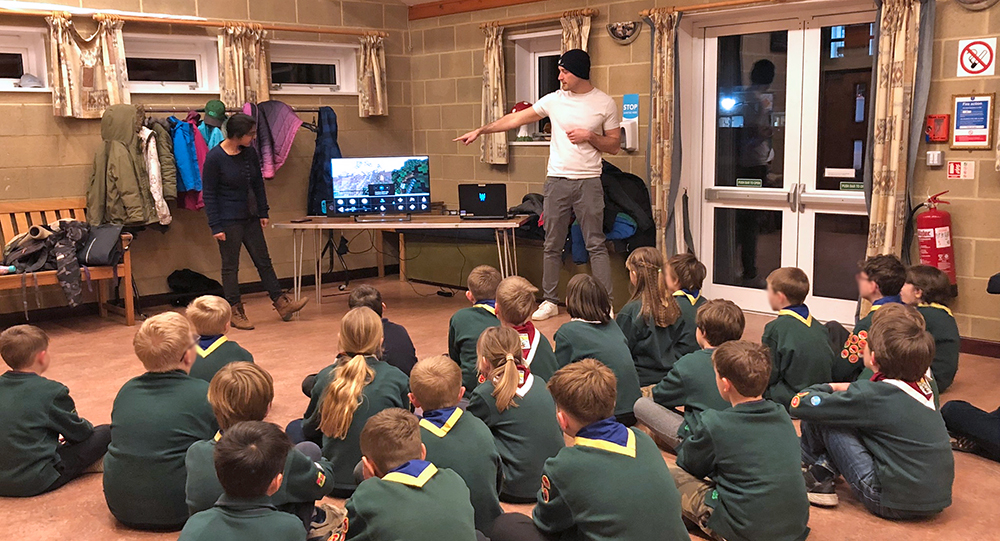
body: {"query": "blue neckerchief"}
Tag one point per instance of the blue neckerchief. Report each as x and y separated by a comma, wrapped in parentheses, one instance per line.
(411, 467)
(888, 299)
(799, 309)
(693, 292)
(439, 417)
(207, 340)
(608, 430)
(492, 303)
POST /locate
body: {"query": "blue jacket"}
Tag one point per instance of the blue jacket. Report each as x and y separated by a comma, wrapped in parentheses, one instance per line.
(213, 136)
(320, 181)
(188, 172)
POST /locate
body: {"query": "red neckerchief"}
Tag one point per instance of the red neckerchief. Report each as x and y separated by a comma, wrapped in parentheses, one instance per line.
(528, 329)
(920, 386)
(523, 373)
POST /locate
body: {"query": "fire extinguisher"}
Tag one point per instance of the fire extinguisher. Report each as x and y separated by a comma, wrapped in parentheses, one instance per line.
(934, 237)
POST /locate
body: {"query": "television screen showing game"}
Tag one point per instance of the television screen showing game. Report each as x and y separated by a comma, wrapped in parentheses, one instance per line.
(387, 185)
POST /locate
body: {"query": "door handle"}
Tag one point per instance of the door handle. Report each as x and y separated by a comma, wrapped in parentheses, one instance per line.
(793, 198)
(800, 190)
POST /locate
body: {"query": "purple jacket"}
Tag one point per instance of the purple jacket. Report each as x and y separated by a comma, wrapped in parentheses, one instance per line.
(277, 125)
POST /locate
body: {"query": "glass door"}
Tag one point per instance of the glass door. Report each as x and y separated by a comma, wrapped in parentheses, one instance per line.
(786, 109)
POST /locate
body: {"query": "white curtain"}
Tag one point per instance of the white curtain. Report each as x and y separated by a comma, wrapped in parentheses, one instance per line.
(87, 75)
(662, 131)
(494, 145)
(575, 32)
(244, 72)
(372, 99)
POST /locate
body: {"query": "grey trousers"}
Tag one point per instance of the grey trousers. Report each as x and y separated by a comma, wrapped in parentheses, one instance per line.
(563, 197)
(662, 421)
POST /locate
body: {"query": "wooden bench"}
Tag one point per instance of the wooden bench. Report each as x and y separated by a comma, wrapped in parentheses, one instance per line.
(17, 216)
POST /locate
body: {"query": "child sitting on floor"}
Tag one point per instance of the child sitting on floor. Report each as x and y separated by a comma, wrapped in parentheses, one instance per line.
(928, 289)
(799, 344)
(455, 439)
(36, 412)
(884, 435)
(691, 383)
(592, 334)
(651, 321)
(404, 496)
(685, 276)
(611, 484)
(519, 411)
(751, 454)
(397, 348)
(515, 304)
(155, 418)
(210, 317)
(240, 392)
(355, 387)
(468, 323)
(249, 459)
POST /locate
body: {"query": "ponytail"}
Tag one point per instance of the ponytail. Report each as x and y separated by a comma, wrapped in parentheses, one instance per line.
(499, 350)
(658, 306)
(506, 378)
(343, 396)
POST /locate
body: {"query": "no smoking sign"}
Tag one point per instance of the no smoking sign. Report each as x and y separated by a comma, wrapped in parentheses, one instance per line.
(977, 57)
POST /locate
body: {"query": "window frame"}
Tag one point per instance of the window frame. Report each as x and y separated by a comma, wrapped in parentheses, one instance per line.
(29, 42)
(342, 55)
(202, 49)
(527, 50)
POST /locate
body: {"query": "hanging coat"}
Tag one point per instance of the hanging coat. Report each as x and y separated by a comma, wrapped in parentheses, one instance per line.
(213, 136)
(165, 153)
(119, 186)
(277, 125)
(190, 150)
(148, 146)
(320, 181)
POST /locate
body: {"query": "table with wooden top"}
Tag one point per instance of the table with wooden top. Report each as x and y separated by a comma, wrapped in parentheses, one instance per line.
(503, 230)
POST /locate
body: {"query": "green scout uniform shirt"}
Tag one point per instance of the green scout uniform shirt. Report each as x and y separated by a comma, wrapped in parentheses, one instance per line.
(155, 418)
(902, 430)
(463, 333)
(941, 324)
(525, 435)
(211, 359)
(654, 349)
(691, 384)
(388, 389)
(849, 364)
(689, 303)
(36, 411)
(601, 490)
(304, 481)
(464, 444)
(752, 453)
(415, 502)
(800, 355)
(578, 339)
(235, 519)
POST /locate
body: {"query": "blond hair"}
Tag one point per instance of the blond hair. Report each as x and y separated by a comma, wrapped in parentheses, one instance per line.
(240, 391)
(391, 438)
(586, 389)
(515, 299)
(792, 282)
(658, 305)
(483, 282)
(435, 382)
(20, 344)
(209, 314)
(360, 335)
(162, 340)
(499, 351)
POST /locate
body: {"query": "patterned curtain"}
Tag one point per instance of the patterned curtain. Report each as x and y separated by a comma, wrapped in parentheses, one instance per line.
(575, 32)
(372, 99)
(494, 145)
(87, 75)
(662, 132)
(244, 73)
(899, 25)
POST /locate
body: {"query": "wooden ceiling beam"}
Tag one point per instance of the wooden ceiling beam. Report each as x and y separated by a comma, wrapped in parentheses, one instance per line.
(450, 7)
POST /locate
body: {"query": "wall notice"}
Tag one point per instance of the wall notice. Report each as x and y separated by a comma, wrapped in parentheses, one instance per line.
(961, 170)
(977, 57)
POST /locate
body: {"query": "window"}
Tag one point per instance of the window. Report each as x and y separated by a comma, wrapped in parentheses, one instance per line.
(537, 55)
(856, 36)
(313, 68)
(22, 51)
(159, 64)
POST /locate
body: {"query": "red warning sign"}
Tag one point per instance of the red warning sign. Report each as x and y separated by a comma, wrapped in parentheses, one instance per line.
(976, 57)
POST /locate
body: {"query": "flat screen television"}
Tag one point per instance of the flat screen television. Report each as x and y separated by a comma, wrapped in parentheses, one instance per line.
(385, 185)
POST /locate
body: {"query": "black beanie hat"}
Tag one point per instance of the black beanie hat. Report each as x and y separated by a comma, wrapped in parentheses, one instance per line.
(577, 62)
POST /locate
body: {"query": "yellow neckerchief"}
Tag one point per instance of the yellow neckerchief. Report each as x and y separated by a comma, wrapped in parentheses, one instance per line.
(938, 306)
(628, 449)
(215, 345)
(409, 480)
(682, 293)
(807, 321)
(486, 307)
(446, 427)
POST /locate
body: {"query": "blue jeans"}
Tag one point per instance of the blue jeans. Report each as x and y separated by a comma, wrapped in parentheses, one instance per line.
(841, 451)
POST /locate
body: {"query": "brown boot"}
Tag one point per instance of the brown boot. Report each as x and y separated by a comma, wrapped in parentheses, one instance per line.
(286, 307)
(239, 319)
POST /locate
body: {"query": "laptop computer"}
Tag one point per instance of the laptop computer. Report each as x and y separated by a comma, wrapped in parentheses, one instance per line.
(482, 201)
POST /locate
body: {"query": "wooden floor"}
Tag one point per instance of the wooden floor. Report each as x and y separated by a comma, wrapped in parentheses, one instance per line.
(94, 358)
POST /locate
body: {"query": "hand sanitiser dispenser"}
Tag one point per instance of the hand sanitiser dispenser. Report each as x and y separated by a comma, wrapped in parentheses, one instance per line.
(630, 122)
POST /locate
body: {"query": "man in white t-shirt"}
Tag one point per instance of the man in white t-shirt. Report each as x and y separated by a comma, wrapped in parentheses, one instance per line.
(584, 124)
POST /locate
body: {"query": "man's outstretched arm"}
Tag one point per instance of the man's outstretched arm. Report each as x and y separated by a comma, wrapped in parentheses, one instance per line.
(502, 124)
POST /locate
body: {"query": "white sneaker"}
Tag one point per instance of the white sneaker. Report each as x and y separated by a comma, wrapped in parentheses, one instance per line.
(545, 311)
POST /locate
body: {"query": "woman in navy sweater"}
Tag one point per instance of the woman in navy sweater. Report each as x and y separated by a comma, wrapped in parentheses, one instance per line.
(236, 204)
